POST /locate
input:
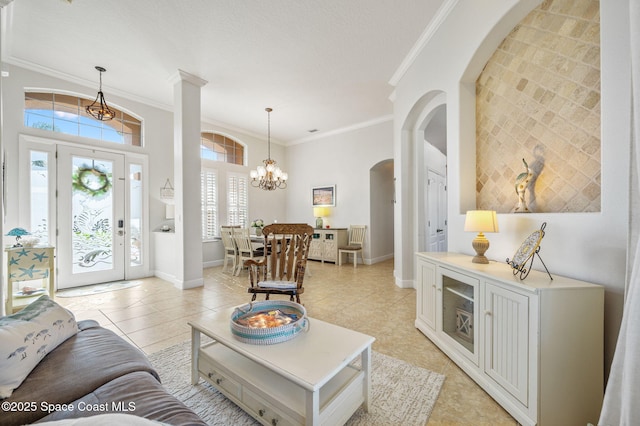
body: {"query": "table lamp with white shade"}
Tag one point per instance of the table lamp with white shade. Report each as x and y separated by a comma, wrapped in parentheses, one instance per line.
(319, 213)
(481, 221)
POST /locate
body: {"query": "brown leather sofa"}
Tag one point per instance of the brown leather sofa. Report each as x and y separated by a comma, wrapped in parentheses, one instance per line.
(94, 372)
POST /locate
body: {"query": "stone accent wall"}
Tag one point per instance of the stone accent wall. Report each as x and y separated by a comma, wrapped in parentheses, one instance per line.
(538, 98)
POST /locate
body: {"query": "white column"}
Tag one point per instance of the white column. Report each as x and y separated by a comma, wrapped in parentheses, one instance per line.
(186, 168)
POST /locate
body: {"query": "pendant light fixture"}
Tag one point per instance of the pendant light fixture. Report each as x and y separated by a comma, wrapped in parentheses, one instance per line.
(99, 108)
(269, 176)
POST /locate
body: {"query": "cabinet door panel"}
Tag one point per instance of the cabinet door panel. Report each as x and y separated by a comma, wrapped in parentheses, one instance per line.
(426, 303)
(315, 249)
(507, 340)
(330, 250)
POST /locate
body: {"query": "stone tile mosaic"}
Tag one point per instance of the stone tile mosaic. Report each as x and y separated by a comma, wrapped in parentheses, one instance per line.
(538, 98)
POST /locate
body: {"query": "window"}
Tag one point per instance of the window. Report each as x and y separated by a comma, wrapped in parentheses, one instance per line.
(216, 147)
(62, 113)
(209, 196)
(39, 175)
(136, 221)
(237, 194)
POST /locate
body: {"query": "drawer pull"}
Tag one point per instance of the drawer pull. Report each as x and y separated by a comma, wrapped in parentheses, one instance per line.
(261, 412)
(218, 380)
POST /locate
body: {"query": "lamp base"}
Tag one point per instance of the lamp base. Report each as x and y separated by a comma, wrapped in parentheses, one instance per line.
(319, 223)
(480, 244)
(480, 259)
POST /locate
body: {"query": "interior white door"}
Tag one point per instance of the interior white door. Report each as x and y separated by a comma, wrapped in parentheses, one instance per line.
(441, 230)
(436, 212)
(91, 212)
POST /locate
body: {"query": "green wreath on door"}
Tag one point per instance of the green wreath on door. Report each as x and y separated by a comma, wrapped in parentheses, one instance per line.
(91, 180)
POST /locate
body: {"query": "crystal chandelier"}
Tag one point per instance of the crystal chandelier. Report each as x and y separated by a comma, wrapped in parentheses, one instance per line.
(99, 108)
(269, 176)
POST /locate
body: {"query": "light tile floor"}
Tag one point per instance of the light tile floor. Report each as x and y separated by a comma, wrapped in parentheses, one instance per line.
(154, 316)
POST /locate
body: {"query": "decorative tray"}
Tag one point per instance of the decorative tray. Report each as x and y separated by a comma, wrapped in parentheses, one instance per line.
(268, 322)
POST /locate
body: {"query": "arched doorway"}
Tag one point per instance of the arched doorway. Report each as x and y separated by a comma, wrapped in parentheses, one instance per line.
(417, 151)
(381, 211)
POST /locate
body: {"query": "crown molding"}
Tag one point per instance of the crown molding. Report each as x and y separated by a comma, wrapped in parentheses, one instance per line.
(431, 29)
(87, 83)
(341, 130)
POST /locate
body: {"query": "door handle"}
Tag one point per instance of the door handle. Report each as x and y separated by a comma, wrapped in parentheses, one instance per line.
(439, 230)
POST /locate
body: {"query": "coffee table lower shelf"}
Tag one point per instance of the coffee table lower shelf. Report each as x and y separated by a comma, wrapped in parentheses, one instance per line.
(274, 400)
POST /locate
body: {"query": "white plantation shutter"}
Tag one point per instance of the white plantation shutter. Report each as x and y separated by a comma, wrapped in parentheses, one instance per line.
(209, 193)
(237, 199)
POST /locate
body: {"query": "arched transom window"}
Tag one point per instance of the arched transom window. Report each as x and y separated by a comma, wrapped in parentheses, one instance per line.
(64, 113)
(216, 147)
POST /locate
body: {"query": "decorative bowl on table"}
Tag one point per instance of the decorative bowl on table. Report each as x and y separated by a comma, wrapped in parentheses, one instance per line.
(268, 322)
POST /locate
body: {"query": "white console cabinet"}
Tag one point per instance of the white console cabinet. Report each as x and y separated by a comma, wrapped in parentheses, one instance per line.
(325, 243)
(535, 345)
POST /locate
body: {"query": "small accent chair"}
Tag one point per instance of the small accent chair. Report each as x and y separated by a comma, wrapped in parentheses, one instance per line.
(356, 244)
(286, 246)
(230, 250)
(246, 250)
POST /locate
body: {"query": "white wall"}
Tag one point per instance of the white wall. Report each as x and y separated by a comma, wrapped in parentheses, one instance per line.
(343, 160)
(158, 146)
(590, 246)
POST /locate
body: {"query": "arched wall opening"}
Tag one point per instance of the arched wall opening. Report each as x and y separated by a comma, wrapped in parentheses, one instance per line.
(411, 182)
(382, 199)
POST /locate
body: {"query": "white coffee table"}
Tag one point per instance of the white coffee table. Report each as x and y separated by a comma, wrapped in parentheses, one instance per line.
(309, 380)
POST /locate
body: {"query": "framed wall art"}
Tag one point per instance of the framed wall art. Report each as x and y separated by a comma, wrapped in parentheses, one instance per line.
(324, 196)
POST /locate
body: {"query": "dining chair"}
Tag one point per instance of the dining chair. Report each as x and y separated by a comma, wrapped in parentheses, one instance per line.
(240, 232)
(230, 250)
(246, 250)
(282, 269)
(355, 245)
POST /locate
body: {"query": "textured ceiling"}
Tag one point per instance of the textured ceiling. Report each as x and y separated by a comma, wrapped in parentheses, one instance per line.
(322, 65)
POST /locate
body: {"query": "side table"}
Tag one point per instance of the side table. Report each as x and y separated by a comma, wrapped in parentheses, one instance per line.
(26, 265)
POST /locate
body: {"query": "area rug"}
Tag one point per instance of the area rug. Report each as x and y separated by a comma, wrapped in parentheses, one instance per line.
(97, 288)
(401, 394)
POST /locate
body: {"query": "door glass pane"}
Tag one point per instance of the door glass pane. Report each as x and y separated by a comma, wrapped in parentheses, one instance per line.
(135, 219)
(39, 202)
(92, 215)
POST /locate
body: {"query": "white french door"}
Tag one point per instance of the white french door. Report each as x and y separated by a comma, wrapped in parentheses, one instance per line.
(92, 205)
(90, 216)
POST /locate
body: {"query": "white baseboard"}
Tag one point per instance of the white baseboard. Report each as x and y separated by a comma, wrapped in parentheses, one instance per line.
(378, 259)
(403, 283)
(166, 277)
(213, 263)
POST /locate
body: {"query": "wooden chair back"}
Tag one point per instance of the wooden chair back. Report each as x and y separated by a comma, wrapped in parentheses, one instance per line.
(356, 235)
(230, 250)
(286, 247)
(240, 232)
(226, 233)
(245, 249)
(355, 245)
